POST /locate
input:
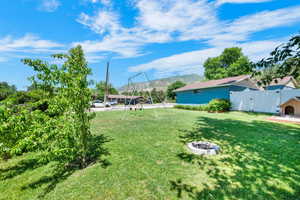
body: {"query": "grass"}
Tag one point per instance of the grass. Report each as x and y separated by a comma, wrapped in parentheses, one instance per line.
(148, 160)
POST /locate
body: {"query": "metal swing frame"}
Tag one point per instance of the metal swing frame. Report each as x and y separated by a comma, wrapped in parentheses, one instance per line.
(130, 82)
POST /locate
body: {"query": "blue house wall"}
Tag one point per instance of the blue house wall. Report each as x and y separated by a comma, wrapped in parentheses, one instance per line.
(204, 96)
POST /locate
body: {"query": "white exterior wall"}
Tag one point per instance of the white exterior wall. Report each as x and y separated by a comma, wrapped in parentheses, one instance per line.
(268, 101)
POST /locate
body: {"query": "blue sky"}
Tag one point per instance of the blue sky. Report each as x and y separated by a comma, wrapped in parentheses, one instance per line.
(161, 37)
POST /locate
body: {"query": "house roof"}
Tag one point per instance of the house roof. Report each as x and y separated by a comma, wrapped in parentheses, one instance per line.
(117, 96)
(292, 99)
(282, 81)
(213, 83)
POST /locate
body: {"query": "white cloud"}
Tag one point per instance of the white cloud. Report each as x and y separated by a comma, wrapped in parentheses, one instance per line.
(181, 63)
(104, 2)
(220, 2)
(49, 5)
(27, 43)
(103, 22)
(124, 49)
(257, 50)
(177, 15)
(156, 22)
(265, 20)
(94, 58)
(126, 42)
(161, 21)
(11, 48)
(192, 62)
(241, 29)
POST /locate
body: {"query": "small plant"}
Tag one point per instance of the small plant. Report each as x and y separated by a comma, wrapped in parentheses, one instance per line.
(218, 105)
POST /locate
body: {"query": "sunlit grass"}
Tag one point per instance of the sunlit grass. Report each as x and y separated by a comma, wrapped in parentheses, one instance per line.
(148, 160)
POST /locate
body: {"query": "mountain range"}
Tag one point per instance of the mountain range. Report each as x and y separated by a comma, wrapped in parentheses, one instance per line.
(162, 84)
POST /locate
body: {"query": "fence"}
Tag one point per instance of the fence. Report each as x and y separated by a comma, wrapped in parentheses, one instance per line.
(268, 101)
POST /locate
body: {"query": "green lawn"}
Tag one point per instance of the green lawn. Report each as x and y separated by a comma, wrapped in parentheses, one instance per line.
(148, 160)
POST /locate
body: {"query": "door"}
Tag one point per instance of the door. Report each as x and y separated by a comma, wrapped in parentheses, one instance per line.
(289, 110)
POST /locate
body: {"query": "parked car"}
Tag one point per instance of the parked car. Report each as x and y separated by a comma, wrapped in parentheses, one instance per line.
(97, 104)
(111, 103)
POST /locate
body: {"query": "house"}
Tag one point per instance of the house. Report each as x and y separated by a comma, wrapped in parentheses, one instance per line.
(121, 99)
(204, 92)
(285, 83)
(291, 107)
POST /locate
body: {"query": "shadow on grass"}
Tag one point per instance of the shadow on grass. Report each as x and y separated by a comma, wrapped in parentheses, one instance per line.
(259, 160)
(59, 174)
(19, 168)
(58, 171)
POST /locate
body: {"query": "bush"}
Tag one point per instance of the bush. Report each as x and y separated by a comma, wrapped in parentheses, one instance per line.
(196, 108)
(215, 105)
(219, 105)
(21, 131)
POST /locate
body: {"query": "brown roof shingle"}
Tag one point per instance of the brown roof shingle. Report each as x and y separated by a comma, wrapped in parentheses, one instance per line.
(212, 83)
(282, 81)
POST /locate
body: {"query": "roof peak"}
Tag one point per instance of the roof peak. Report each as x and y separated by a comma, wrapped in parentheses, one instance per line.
(213, 83)
(281, 81)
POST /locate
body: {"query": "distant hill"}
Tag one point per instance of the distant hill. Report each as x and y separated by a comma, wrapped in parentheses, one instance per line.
(162, 84)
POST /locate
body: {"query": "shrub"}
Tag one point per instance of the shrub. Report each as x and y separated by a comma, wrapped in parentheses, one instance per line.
(196, 108)
(219, 105)
(215, 105)
(179, 106)
(21, 131)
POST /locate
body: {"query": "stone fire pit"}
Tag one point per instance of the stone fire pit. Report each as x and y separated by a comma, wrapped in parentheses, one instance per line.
(203, 148)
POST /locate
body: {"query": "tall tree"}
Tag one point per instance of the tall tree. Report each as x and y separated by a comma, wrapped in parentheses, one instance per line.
(283, 61)
(100, 90)
(170, 91)
(158, 96)
(231, 62)
(67, 137)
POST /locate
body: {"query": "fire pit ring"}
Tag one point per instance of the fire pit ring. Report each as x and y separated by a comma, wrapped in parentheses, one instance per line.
(203, 148)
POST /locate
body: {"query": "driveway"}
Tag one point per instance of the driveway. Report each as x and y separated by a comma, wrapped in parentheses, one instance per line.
(145, 106)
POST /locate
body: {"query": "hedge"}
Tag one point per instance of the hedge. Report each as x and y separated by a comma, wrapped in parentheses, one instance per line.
(187, 107)
(215, 105)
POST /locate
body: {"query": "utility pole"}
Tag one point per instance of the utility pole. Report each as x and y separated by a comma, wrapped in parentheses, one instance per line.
(106, 83)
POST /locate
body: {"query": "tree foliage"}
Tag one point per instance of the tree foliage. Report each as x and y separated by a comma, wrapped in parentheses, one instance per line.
(61, 132)
(100, 90)
(6, 90)
(231, 62)
(158, 96)
(170, 90)
(26, 97)
(283, 61)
